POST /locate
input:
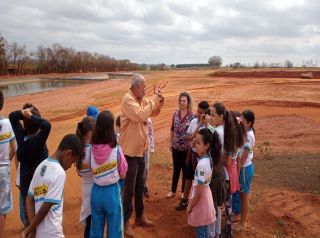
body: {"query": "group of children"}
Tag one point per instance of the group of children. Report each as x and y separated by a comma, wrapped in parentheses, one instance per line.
(218, 155)
(219, 161)
(99, 160)
(225, 165)
(41, 177)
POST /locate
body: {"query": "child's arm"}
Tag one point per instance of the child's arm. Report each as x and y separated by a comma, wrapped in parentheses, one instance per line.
(200, 179)
(197, 194)
(228, 160)
(238, 163)
(35, 219)
(203, 121)
(42, 124)
(14, 118)
(195, 132)
(45, 128)
(16, 163)
(244, 156)
(12, 149)
(246, 149)
(28, 233)
(123, 165)
(189, 136)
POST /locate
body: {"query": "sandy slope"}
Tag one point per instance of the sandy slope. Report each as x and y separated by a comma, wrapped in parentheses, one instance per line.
(288, 115)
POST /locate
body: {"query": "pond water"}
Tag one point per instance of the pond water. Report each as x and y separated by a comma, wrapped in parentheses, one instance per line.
(35, 85)
(17, 88)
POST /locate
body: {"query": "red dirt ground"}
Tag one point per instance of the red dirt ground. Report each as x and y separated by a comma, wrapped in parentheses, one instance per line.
(288, 116)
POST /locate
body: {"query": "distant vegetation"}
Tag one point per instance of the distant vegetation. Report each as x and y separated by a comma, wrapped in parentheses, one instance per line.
(192, 65)
(15, 59)
(215, 61)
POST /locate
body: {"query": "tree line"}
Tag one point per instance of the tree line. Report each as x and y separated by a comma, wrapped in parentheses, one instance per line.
(15, 59)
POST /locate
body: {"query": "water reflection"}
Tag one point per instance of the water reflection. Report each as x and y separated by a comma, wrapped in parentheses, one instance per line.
(22, 88)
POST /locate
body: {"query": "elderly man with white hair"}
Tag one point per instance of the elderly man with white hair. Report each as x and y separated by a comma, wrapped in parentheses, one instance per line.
(135, 110)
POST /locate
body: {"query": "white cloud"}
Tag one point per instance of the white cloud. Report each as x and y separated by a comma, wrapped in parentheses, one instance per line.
(170, 31)
(286, 4)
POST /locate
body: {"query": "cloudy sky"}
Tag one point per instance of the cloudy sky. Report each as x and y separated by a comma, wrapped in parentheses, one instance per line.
(179, 31)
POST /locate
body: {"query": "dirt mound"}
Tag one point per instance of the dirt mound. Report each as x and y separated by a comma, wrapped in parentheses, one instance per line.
(266, 74)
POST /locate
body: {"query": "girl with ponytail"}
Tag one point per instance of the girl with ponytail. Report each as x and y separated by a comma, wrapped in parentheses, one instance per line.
(200, 210)
(233, 169)
(84, 132)
(247, 168)
(225, 127)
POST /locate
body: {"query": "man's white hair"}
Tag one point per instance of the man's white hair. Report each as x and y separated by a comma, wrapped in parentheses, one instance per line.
(136, 80)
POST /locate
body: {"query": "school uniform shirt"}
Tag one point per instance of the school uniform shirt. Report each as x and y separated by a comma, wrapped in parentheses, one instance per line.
(236, 155)
(6, 136)
(87, 182)
(85, 171)
(107, 164)
(220, 131)
(47, 185)
(203, 172)
(249, 146)
(192, 127)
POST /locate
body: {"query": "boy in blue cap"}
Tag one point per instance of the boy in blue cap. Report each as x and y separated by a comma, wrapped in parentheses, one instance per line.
(93, 111)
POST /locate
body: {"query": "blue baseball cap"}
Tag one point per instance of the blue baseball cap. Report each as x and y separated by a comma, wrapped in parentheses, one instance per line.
(93, 111)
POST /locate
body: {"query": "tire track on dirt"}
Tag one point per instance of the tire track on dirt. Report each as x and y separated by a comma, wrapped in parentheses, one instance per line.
(276, 103)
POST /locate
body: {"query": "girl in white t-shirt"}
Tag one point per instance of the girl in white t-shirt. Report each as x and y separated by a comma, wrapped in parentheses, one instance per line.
(84, 132)
(200, 210)
(225, 126)
(246, 167)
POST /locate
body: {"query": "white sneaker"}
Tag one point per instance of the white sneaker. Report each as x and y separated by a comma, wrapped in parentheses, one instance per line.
(170, 195)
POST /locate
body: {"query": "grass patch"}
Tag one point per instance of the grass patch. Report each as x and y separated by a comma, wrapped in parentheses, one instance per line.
(297, 172)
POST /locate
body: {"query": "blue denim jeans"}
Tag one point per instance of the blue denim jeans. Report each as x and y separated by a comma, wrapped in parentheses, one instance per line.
(202, 232)
(5, 191)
